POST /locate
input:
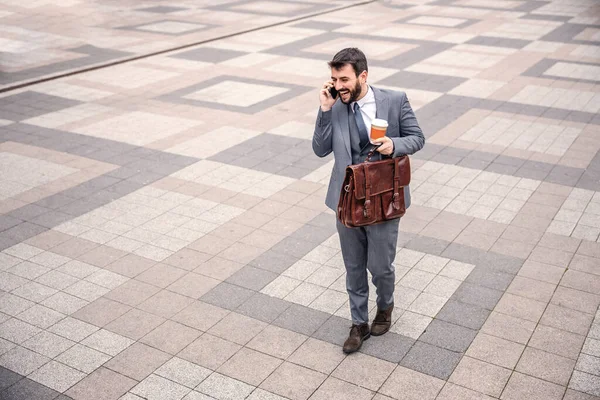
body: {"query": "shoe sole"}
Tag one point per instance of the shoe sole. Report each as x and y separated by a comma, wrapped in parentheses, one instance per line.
(368, 335)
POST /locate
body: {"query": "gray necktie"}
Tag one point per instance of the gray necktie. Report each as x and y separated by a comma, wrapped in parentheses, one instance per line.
(360, 123)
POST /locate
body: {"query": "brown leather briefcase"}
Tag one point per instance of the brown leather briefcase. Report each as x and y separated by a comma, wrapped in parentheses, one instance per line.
(373, 191)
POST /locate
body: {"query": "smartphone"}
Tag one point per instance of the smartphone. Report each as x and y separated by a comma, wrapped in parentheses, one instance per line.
(333, 92)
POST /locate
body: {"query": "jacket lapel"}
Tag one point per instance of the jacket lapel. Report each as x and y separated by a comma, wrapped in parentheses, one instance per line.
(342, 116)
(382, 103)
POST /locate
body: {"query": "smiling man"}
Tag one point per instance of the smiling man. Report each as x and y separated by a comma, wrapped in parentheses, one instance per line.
(342, 127)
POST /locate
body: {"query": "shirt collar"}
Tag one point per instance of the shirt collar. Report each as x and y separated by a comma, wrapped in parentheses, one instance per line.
(368, 98)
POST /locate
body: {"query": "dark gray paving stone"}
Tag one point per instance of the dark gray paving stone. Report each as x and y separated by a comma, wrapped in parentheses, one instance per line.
(8, 378)
(567, 176)
(482, 276)
(493, 261)
(463, 314)
(274, 261)
(207, 54)
(315, 234)
(141, 27)
(51, 219)
(19, 105)
(294, 247)
(501, 169)
(162, 9)
(565, 33)
(24, 231)
(26, 389)
(499, 42)
(6, 222)
(447, 159)
(448, 336)
(324, 220)
(580, 116)
(335, 330)
(309, 8)
(390, 347)
(545, 17)
(28, 212)
(252, 278)
(262, 307)
(6, 242)
(477, 295)
(55, 201)
(326, 26)
(226, 295)
(473, 163)
(431, 360)
(427, 245)
(301, 319)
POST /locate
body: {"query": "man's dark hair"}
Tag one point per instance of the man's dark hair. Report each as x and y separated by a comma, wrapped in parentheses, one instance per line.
(352, 56)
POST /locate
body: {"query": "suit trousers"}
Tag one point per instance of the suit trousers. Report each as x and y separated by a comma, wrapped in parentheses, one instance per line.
(370, 248)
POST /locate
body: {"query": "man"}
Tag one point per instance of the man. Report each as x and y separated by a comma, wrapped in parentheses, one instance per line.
(342, 127)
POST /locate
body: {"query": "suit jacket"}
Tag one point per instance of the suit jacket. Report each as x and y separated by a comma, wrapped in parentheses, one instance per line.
(332, 134)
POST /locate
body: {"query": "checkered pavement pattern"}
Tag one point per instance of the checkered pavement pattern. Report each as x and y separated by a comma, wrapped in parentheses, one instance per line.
(163, 233)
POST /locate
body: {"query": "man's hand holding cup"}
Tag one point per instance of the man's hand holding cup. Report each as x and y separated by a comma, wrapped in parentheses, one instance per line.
(378, 130)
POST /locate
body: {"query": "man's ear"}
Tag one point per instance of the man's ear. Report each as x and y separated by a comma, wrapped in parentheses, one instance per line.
(363, 76)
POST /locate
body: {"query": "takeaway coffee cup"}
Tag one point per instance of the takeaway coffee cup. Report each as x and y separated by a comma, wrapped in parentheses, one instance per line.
(378, 128)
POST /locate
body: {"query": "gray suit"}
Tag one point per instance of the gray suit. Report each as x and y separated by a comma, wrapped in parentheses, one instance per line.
(372, 247)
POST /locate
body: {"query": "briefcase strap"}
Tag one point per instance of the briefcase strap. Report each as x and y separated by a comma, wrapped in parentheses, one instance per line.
(375, 147)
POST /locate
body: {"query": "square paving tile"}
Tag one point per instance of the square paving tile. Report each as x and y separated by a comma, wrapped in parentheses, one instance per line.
(431, 360)
(293, 381)
(134, 324)
(411, 385)
(222, 387)
(83, 358)
(249, 366)
(57, 376)
(546, 366)
(157, 387)
(237, 328)
(522, 386)
(480, 376)
(183, 372)
(209, 351)
(277, 342)
(137, 361)
(364, 370)
(495, 350)
(337, 389)
(171, 337)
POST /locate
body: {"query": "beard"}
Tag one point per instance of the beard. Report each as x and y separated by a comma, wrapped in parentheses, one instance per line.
(354, 93)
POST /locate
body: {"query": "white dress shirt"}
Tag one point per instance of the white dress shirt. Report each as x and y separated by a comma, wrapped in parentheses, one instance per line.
(368, 109)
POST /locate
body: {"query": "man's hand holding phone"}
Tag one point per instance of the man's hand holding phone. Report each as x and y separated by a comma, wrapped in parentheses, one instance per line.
(328, 95)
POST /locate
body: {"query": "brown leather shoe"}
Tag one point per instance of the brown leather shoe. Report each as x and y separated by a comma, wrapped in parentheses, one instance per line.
(382, 322)
(358, 334)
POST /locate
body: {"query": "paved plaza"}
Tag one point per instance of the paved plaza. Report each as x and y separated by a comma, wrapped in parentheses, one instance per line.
(163, 233)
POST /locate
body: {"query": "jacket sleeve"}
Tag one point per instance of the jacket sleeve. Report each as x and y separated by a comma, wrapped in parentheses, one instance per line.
(322, 138)
(411, 137)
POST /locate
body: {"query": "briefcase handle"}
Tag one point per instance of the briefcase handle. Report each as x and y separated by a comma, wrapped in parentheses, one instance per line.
(375, 147)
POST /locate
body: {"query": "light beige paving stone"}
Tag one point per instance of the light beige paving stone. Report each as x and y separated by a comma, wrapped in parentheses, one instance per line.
(183, 372)
(480, 376)
(566, 319)
(495, 350)
(134, 324)
(57, 376)
(48, 344)
(409, 384)
(156, 387)
(317, 355)
(22, 360)
(249, 366)
(171, 337)
(73, 329)
(209, 351)
(200, 315)
(520, 307)
(277, 342)
(556, 341)
(334, 388)
(83, 358)
(364, 370)
(546, 366)
(455, 392)
(523, 386)
(293, 381)
(237, 328)
(137, 361)
(107, 342)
